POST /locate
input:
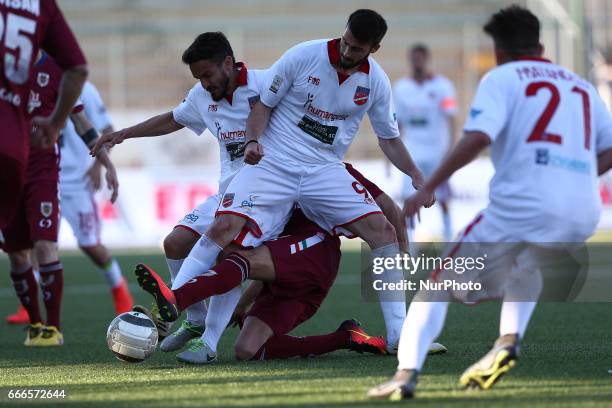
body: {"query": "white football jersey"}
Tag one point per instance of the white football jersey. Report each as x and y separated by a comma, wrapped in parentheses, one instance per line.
(317, 111)
(226, 118)
(422, 113)
(547, 126)
(75, 158)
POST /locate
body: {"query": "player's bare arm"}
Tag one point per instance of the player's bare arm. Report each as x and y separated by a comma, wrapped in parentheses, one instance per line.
(156, 126)
(394, 214)
(85, 129)
(466, 150)
(48, 129)
(396, 152)
(246, 300)
(257, 122)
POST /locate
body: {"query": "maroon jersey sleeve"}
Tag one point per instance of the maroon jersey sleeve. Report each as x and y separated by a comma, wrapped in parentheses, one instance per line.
(372, 188)
(58, 40)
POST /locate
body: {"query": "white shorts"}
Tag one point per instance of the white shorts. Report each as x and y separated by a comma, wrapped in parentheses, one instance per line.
(265, 194)
(79, 208)
(443, 192)
(508, 270)
(201, 217)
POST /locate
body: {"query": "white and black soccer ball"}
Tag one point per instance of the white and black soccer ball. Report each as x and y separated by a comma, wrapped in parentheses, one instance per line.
(132, 337)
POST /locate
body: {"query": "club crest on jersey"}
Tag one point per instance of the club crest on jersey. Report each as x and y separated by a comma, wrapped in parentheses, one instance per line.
(42, 79)
(46, 208)
(228, 200)
(361, 95)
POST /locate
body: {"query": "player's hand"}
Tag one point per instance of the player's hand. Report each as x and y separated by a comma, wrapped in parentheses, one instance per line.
(419, 184)
(45, 132)
(253, 153)
(94, 174)
(109, 140)
(112, 182)
(413, 204)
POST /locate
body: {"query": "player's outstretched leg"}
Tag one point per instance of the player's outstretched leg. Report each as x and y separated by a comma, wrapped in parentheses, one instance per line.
(177, 340)
(360, 341)
(400, 387)
(497, 362)
(151, 282)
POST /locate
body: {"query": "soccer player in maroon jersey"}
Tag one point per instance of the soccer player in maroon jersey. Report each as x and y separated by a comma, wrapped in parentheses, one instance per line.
(26, 27)
(35, 226)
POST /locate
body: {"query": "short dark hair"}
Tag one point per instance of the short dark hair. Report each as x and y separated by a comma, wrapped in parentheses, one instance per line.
(514, 29)
(208, 46)
(367, 26)
(420, 47)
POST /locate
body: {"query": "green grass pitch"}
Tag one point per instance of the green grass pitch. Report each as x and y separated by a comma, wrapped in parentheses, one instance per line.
(566, 357)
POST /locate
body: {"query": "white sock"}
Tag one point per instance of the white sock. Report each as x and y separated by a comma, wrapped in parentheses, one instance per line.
(514, 317)
(422, 326)
(112, 273)
(201, 258)
(448, 227)
(174, 266)
(196, 313)
(36, 274)
(394, 312)
(221, 310)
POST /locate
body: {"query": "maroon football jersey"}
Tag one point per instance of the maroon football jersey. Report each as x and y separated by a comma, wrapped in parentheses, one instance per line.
(25, 28)
(47, 76)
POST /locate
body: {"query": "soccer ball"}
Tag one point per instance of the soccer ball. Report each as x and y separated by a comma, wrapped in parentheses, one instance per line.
(132, 337)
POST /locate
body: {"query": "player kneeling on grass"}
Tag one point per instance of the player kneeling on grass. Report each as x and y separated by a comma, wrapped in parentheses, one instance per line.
(296, 272)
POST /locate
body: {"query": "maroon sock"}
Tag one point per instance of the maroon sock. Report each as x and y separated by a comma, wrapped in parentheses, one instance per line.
(221, 278)
(52, 285)
(26, 288)
(286, 346)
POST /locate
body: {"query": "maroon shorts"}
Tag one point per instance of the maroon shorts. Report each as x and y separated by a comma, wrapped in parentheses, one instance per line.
(12, 177)
(306, 266)
(37, 217)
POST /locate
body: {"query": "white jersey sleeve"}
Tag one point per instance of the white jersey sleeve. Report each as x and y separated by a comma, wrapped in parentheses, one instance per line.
(603, 125)
(188, 114)
(280, 77)
(382, 112)
(489, 110)
(95, 110)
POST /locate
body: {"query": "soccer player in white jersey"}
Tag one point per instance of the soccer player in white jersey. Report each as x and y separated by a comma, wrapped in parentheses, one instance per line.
(79, 179)
(547, 128)
(426, 106)
(308, 114)
(221, 102)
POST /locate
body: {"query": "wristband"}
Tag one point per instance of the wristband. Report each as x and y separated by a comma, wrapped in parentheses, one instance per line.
(90, 137)
(250, 141)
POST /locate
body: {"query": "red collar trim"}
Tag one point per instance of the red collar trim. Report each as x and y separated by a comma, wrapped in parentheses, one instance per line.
(242, 79)
(532, 58)
(334, 56)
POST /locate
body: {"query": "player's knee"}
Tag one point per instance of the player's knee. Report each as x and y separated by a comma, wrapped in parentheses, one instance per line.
(381, 232)
(225, 228)
(19, 260)
(46, 251)
(173, 247)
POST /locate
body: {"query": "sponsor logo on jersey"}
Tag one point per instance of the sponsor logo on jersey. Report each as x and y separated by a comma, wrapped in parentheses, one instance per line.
(34, 101)
(42, 79)
(235, 150)
(228, 200)
(10, 97)
(276, 83)
(314, 80)
(322, 114)
(475, 112)
(213, 108)
(361, 95)
(46, 208)
(247, 204)
(545, 158)
(323, 133)
(253, 100)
